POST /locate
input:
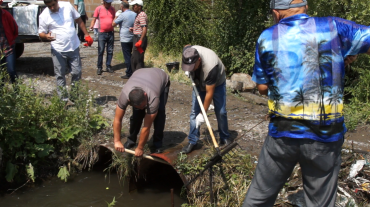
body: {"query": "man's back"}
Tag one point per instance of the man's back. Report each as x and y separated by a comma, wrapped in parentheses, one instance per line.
(126, 20)
(302, 60)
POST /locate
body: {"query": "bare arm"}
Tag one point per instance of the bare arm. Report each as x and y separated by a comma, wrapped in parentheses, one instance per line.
(81, 24)
(92, 23)
(76, 7)
(113, 23)
(144, 134)
(210, 90)
(263, 89)
(368, 52)
(46, 37)
(117, 126)
(143, 34)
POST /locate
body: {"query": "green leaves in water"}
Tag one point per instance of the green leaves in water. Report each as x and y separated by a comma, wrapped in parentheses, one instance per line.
(63, 173)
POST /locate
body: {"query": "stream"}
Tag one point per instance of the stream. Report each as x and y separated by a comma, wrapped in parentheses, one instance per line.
(95, 189)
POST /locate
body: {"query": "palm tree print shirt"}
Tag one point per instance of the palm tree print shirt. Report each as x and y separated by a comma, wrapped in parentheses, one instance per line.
(301, 59)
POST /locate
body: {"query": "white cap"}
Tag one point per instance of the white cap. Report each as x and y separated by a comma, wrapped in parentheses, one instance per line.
(138, 2)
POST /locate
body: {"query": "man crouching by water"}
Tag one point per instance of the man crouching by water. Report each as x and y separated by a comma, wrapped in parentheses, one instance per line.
(147, 89)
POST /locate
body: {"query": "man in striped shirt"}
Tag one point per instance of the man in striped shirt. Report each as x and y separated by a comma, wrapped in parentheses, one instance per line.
(140, 40)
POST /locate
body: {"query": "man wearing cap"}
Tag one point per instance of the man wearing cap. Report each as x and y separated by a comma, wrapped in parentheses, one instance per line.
(147, 92)
(126, 20)
(300, 65)
(105, 13)
(209, 75)
(140, 41)
(56, 24)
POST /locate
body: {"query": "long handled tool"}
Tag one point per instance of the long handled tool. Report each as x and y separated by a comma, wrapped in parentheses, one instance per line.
(217, 158)
(205, 116)
(147, 157)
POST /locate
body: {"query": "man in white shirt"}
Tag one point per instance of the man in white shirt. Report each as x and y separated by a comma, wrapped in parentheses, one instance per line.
(56, 24)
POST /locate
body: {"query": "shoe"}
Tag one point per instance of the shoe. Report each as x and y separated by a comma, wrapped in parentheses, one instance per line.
(129, 144)
(224, 143)
(109, 69)
(188, 148)
(125, 77)
(99, 72)
(157, 151)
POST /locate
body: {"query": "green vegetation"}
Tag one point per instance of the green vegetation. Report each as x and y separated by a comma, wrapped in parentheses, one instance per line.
(39, 135)
(231, 28)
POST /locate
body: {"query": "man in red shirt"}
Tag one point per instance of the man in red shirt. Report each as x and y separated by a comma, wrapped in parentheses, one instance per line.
(105, 13)
(8, 33)
(139, 41)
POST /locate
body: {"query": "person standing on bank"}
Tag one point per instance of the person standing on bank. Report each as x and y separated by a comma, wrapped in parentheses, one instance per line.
(140, 41)
(8, 34)
(300, 64)
(80, 7)
(105, 13)
(126, 20)
(56, 24)
(147, 92)
(209, 75)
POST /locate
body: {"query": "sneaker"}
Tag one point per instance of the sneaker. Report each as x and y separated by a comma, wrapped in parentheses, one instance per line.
(188, 148)
(109, 69)
(125, 77)
(99, 72)
(224, 143)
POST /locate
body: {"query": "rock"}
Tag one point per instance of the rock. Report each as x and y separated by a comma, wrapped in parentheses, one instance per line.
(255, 98)
(236, 86)
(247, 84)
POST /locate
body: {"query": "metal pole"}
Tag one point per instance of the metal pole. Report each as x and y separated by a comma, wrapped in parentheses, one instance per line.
(172, 199)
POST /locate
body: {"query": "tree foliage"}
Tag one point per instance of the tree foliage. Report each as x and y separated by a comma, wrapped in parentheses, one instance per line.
(174, 24)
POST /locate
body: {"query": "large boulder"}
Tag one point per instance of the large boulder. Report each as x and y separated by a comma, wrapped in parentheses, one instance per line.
(241, 82)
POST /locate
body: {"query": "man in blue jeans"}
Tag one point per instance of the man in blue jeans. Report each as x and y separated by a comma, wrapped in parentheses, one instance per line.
(8, 33)
(126, 20)
(105, 13)
(209, 76)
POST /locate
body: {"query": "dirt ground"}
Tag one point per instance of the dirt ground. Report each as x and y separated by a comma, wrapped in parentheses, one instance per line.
(243, 114)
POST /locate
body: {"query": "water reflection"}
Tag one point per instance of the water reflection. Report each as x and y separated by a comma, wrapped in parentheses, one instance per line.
(94, 189)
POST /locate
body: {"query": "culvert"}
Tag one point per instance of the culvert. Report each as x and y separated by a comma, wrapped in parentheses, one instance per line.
(152, 169)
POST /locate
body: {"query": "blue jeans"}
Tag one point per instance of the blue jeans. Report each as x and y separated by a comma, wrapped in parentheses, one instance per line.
(10, 65)
(105, 38)
(127, 50)
(219, 100)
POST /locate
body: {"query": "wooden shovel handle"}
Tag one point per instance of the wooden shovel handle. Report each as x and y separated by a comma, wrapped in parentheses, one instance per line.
(204, 114)
(147, 157)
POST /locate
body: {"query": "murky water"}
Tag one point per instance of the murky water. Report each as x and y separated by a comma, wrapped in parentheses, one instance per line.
(94, 189)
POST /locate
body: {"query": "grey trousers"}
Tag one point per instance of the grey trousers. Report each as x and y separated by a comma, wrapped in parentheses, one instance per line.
(320, 165)
(64, 63)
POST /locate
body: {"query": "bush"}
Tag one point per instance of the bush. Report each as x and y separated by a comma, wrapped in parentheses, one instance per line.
(174, 24)
(40, 133)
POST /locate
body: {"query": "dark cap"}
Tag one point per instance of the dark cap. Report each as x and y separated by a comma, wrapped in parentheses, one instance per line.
(285, 4)
(189, 57)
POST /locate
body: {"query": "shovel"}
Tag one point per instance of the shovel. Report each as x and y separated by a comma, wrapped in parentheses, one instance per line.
(205, 116)
(217, 158)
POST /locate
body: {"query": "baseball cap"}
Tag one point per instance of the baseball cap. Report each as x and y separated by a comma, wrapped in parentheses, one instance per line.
(108, 1)
(285, 4)
(138, 2)
(189, 57)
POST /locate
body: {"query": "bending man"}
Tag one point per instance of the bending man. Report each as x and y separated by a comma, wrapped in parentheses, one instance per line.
(147, 92)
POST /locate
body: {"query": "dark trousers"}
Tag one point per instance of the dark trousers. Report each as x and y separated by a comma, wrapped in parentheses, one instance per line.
(319, 162)
(137, 117)
(80, 34)
(127, 50)
(137, 59)
(9, 64)
(106, 39)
